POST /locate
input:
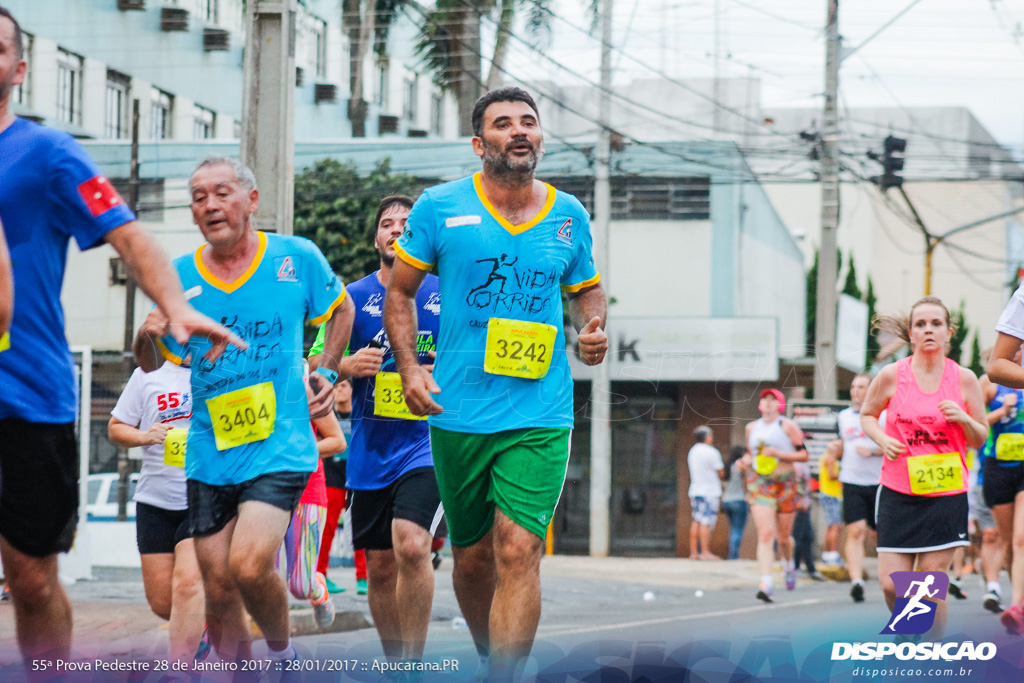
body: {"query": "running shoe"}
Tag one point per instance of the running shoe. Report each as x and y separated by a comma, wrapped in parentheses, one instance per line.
(956, 591)
(791, 578)
(1013, 620)
(361, 587)
(435, 559)
(5, 595)
(764, 594)
(332, 587)
(857, 592)
(992, 603)
(205, 646)
(323, 609)
(483, 669)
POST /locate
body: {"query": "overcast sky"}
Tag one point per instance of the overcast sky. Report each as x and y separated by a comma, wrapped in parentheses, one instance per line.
(940, 53)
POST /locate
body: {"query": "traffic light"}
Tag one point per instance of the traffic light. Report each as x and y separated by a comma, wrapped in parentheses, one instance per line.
(891, 163)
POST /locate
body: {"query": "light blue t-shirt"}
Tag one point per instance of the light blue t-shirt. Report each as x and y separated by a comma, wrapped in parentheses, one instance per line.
(288, 284)
(489, 268)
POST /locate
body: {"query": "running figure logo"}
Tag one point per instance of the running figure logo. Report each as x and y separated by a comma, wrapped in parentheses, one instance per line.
(914, 613)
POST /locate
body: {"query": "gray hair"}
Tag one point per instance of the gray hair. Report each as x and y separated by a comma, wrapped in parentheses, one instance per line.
(243, 174)
(702, 433)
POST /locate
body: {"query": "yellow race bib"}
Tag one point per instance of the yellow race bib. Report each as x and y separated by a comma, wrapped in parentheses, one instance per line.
(388, 398)
(936, 473)
(1010, 447)
(765, 464)
(174, 447)
(5, 342)
(243, 416)
(516, 348)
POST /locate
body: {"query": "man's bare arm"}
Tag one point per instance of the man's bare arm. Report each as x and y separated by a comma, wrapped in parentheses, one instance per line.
(401, 325)
(588, 310)
(148, 266)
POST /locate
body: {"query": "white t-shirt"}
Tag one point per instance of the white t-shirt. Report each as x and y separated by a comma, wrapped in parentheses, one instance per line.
(164, 395)
(854, 468)
(1011, 321)
(704, 461)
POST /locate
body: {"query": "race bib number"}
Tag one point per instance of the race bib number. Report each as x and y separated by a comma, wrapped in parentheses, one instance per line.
(937, 473)
(388, 398)
(243, 416)
(765, 464)
(174, 447)
(516, 348)
(1010, 447)
(5, 341)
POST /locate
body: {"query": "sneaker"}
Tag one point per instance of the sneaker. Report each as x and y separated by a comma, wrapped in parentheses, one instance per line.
(791, 578)
(435, 560)
(5, 595)
(991, 602)
(956, 591)
(205, 646)
(332, 587)
(857, 592)
(323, 610)
(483, 669)
(815, 576)
(361, 587)
(764, 594)
(1013, 620)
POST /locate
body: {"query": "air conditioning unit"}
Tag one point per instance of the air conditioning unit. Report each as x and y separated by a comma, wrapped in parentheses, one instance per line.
(325, 92)
(216, 40)
(416, 133)
(173, 19)
(387, 124)
(126, 5)
(300, 76)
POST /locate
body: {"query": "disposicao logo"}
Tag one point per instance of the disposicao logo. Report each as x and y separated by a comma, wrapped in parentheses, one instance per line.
(914, 614)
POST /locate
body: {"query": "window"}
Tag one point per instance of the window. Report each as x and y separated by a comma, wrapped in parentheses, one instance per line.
(635, 198)
(115, 122)
(69, 87)
(161, 108)
(208, 11)
(436, 113)
(380, 85)
(203, 126)
(320, 47)
(22, 93)
(411, 89)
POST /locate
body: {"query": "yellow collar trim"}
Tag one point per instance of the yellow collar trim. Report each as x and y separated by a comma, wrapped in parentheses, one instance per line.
(229, 287)
(514, 229)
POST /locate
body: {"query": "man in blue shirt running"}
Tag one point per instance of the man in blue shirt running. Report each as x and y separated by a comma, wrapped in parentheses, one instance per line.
(505, 246)
(50, 191)
(395, 504)
(250, 447)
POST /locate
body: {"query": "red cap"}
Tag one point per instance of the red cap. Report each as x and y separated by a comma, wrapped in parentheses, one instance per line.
(778, 397)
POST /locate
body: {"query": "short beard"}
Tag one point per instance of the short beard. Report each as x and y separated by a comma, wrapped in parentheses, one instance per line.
(387, 260)
(501, 168)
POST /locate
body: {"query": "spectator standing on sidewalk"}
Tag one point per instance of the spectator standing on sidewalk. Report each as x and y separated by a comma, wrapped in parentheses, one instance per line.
(706, 473)
(734, 500)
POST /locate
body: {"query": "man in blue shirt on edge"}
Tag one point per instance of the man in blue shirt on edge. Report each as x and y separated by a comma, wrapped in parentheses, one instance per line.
(505, 246)
(50, 191)
(395, 504)
(250, 446)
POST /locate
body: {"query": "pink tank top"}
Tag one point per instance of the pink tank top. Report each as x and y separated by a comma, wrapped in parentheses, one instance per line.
(915, 420)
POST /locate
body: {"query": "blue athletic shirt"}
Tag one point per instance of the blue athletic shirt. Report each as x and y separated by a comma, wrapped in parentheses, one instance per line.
(50, 191)
(382, 449)
(288, 283)
(489, 268)
(1011, 424)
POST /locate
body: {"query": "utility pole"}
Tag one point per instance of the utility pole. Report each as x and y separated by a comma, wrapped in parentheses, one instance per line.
(123, 466)
(268, 110)
(600, 389)
(825, 327)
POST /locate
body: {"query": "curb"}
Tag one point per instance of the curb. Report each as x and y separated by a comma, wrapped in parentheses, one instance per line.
(303, 623)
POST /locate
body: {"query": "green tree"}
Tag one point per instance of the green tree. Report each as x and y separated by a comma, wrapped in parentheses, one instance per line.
(871, 299)
(850, 286)
(956, 343)
(335, 207)
(812, 304)
(976, 365)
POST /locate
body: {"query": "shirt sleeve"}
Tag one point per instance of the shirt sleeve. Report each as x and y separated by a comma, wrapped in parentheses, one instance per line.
(318, 345)
(130, 404)
(719, 465)
(1011, 321)
(582, 272)
(85, 205)
(324, 289)
(418, 244)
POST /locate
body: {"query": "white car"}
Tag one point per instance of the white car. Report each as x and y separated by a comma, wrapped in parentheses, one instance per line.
(101, 500)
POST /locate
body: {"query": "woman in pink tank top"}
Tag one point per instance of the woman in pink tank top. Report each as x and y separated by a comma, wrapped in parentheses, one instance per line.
(935, 412)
